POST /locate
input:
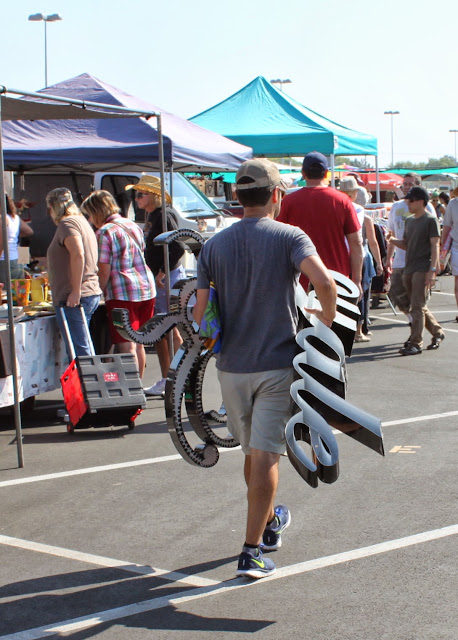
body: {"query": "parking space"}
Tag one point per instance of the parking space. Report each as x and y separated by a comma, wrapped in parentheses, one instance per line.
(110, 534)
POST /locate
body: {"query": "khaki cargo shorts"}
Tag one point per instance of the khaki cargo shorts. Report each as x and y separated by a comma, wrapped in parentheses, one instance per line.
(258, 407)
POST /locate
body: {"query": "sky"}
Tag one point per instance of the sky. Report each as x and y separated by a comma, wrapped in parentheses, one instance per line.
(349, 61)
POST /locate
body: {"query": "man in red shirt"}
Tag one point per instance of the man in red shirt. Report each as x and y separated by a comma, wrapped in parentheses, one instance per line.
(328, 217)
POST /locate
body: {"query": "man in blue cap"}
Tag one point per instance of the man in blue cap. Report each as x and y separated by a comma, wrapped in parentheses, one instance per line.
(328, 217)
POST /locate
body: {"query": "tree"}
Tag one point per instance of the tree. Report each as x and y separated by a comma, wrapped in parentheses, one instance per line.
(445, 162)
(360, 162)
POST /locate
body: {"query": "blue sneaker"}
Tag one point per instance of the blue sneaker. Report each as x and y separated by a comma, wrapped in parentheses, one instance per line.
(271, 538)
(253, 565)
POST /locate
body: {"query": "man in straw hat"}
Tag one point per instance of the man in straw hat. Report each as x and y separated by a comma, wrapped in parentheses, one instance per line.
(255, 265)
(148, 197)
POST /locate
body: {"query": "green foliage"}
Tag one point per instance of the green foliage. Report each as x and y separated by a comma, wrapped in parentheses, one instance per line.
(445, 162)
(361, 163)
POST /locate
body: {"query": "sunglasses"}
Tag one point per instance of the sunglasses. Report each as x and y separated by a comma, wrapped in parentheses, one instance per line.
(139, 195)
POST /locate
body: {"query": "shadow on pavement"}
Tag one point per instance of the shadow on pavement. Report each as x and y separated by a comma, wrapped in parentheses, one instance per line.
(53, 599)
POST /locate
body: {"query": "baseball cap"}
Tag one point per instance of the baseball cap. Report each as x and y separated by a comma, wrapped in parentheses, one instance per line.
(262, 172)
(417, 193)
(348, 183)
(315, 159)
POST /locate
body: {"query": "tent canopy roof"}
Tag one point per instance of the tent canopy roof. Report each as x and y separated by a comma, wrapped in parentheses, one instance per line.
(32, 106)
(273, 124)
(127, 144)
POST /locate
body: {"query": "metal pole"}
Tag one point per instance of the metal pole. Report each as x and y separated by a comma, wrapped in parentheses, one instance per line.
(392, 143)
(333, 172)
(164, 229)
(46, 54)
(377, 180)
(12, 341)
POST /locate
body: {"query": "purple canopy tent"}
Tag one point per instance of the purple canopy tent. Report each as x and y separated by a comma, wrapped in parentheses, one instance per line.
(128, 144)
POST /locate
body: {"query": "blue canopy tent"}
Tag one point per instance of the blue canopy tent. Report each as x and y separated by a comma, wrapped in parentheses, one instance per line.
(95, 145)
(274, 124)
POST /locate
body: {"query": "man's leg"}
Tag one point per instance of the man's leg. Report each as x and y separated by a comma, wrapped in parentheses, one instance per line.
(398, 292)
(456, 290)
(418, 307)
(262, 485)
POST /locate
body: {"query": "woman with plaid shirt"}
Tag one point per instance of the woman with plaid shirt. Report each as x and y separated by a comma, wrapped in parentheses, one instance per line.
(124, 277)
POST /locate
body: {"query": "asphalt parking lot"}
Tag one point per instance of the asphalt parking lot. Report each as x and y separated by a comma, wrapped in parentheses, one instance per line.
(110, 534)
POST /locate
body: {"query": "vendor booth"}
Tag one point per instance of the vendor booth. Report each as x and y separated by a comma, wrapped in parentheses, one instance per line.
(55, 129)
(16, 338)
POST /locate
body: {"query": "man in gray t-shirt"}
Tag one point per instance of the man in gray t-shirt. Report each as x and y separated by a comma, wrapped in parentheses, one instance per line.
(255, 266)
(421, 242)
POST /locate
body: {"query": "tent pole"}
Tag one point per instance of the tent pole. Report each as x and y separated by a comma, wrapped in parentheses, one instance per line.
(171, 181)
(12, 341)
(333, 175)
(377, 179)
(164, 228)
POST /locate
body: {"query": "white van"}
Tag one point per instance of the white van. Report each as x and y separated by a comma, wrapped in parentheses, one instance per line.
(191, 205)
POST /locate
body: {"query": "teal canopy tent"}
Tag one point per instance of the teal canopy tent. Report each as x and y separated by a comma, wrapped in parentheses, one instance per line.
(275, 125)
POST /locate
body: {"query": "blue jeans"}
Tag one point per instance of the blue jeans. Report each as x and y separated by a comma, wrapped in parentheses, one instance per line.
(160, 305)
(81, 339)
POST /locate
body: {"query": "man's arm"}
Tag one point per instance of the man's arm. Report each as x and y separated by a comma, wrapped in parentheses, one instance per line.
(356, 258)
(325, 287)
(431, 275)
(74, 246)
(401, 244)
(202, 296)
(445, 233)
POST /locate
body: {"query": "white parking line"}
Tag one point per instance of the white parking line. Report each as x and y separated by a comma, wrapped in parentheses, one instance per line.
(404, 322)
(177, 599)
(102, 561)
(138, 463)
(106, 467)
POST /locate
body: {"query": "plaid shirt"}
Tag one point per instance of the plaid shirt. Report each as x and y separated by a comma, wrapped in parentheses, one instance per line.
(130, 278)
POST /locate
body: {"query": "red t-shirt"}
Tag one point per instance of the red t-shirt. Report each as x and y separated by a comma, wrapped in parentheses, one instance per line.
(327, 216)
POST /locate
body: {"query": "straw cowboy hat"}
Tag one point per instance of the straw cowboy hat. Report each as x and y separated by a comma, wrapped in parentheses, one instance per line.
(149, 184)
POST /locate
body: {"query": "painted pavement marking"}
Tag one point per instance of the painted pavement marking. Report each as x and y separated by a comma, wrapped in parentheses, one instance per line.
(102, 561)
(118, 613)
(137, 463)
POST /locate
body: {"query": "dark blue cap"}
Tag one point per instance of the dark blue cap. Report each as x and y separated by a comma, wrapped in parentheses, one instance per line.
(315, 160)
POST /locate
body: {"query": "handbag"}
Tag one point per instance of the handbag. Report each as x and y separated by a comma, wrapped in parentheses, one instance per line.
(210, 325)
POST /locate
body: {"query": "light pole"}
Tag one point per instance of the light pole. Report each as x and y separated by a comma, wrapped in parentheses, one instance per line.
(38, 17)
(391, 113)
(454, 131)
(281, 82)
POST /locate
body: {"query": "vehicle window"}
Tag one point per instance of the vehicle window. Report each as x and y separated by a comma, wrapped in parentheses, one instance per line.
(116, 185)
(187, 199)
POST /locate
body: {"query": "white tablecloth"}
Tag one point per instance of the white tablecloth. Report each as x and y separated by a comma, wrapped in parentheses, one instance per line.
(40, 355)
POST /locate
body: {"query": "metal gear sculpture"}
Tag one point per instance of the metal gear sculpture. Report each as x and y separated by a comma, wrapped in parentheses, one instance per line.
(319, 393)
(187, 370)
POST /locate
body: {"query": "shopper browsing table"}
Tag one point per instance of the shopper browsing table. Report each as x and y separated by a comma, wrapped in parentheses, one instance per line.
(124, 277)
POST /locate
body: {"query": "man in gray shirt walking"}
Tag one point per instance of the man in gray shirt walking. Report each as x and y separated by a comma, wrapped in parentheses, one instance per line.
(421, 242)
(255, 265)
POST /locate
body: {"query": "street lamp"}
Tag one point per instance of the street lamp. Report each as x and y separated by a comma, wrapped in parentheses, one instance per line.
(391, 113)
(281, 82)
(38, 17)
(454, 131)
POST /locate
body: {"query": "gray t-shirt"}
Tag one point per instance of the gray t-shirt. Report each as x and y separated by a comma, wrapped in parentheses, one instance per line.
(255, 267)
(418, 233)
